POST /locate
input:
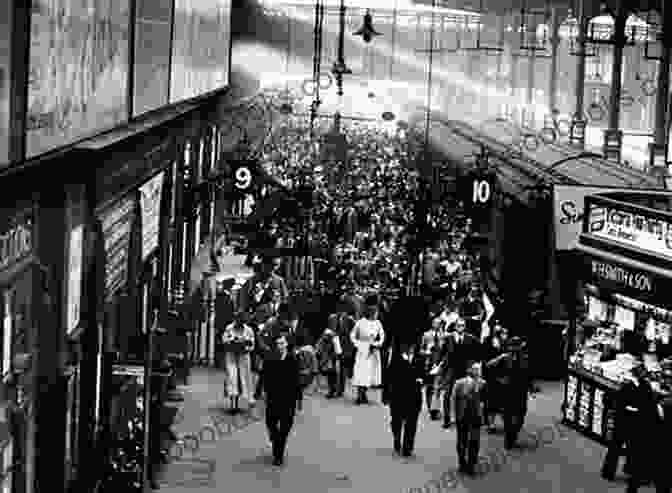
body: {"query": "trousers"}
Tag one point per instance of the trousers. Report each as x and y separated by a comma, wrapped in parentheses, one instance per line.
(468, 444)
(513, 423)
(404, 426)
(279, 422)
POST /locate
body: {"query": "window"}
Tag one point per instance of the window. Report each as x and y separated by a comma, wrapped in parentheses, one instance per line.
(78, 70)
(201, 46)
(5, 59)
(152, 55)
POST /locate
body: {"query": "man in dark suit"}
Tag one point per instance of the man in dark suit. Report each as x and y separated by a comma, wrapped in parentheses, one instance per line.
(281, 376)
(287, 323)
(407, 371)
(258, 288)
(459, 350)
(638, 424)
(269, 309)
(469, 403)
(511, 371)
(342, 324)
(473, 310)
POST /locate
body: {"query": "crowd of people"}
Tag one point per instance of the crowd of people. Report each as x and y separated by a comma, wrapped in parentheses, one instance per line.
(364, 306)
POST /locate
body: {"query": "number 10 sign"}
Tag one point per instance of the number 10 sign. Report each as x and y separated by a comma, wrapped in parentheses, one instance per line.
(481, 191)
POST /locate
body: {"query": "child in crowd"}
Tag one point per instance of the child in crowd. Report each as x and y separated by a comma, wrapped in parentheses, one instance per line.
(328, 357)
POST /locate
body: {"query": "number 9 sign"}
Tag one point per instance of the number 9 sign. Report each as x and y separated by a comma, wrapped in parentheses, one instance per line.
(242, 178)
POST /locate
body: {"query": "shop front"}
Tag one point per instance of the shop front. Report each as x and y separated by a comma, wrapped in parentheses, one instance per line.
(19, 299)
(625, 258)
(130, 214)
(201, 158)
(74, 325)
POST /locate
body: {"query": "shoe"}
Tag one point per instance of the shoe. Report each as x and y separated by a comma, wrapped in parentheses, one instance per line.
(407, 453)
(608, 477)
(277, 461)
(154, 485)
(434, 415)
(447, 425)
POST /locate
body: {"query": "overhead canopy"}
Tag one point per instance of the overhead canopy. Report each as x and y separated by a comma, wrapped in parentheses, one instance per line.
(509, 6)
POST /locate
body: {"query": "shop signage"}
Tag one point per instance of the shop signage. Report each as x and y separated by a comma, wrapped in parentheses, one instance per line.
(17, 243)
(568, 211)
(624, 276)
(117, 222)
(639, 230)
(150, 207)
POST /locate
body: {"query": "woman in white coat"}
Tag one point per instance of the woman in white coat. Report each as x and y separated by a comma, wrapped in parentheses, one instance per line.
(367, 336)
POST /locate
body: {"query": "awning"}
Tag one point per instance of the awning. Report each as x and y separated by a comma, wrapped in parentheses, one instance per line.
(620, 259)
(626, 276)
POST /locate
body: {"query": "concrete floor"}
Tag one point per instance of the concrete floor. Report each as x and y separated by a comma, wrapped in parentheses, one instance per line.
(337, 446)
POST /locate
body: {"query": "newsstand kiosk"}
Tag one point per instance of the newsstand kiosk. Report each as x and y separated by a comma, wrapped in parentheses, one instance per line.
(625, 251)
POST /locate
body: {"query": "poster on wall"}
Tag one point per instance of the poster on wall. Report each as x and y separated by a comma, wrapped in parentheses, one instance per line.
(201, 48)
(152, 55)
(150, 207)
(568, 211)
(117, 223)
(78, 73)
(74, 249)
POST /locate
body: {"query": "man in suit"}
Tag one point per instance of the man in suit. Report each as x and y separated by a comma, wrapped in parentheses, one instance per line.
(459, 349)
(473, 310)
(407, 370)
(511, 371)
(269, 309)
(258, 288)
(342, 323)
(638, 424)
(281, 374)
(469, 403)
(287, 323)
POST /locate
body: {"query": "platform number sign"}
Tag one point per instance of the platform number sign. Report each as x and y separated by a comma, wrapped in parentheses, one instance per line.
(481, 191)
(243, 177)
(477, 191)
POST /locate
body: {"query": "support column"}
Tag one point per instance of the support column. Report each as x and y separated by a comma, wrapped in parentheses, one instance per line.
(513, 82)
(554, 40)
(501, 41)
(529, 120)
(577, 135)
(181, 186)
(613, 136)
(659, 149)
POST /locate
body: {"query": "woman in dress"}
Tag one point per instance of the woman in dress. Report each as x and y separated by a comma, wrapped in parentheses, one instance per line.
(238, 344)
(367, 336)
